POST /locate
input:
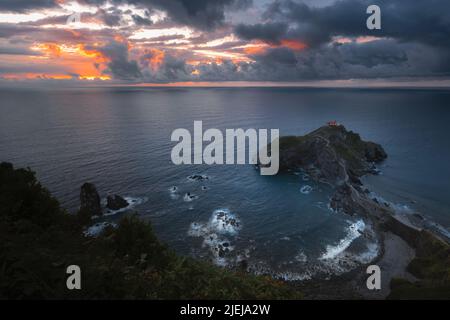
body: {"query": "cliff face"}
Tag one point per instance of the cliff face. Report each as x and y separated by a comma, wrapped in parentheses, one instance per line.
(331, 154)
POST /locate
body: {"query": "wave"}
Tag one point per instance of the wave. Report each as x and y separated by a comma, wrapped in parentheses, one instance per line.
(96, 229)
(216, 233)
(132, 202)
(409, 216)
(353, 232)
(306, 189)
(188, 197)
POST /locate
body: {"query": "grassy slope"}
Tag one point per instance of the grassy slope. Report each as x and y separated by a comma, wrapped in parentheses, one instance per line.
(432, 268)
(38, 240)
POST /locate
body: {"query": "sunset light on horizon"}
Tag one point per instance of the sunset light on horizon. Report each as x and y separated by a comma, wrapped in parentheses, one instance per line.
(175, 41)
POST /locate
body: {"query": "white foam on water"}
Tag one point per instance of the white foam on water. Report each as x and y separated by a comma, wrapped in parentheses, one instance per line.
(261, 268)
(224, 222)
(370, 254)
(189, 197)
(132, 202)
(292, 276)
(399, 208)
(174, 196)
(173, 191)
(197, 229)
(441, 229)
(306, 189)
(215, 233)
(96, 229)
(197, 177)
(353, 232)
(301, 257)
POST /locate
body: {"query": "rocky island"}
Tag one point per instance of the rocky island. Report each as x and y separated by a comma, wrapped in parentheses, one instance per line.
(340, 158)
(39, 239)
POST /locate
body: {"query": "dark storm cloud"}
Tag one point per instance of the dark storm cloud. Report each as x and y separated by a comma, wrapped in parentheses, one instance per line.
(110, 18)
(23, 5)
(202, 14)
(373, 53)
(421, 21)
(8, 30)
(119, 65)
(14, 50)
(377, 59)
(413, 40)
(170, 69)
(141, 21)
(279, 56)
(269, 32)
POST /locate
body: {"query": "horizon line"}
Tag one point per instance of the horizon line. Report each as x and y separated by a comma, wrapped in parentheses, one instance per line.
(349, 83)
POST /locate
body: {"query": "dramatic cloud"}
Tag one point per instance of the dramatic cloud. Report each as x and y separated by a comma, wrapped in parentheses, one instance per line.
(161, 41)
(422, 21)
(271, 32)
(23, 5)
(201, 14)
(119, 64)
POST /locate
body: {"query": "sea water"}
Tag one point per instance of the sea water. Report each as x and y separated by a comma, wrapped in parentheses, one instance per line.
(119, 139)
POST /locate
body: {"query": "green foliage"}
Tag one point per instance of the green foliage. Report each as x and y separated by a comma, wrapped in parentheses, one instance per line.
(403, 289)
(287, 142)
(431, 267)
(38, 240)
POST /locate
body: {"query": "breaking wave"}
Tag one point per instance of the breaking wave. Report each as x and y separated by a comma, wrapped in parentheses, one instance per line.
(353, 232)
(217, 234)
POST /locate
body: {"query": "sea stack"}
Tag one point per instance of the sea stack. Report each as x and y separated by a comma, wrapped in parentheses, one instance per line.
(90, 200)
(116, 202)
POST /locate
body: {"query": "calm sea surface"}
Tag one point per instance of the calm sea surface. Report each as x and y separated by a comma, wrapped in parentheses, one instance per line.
(119, 139)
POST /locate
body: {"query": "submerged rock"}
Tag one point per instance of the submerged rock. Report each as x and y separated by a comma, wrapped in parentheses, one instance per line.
(90, 200)
(198, 177)
(116, 202)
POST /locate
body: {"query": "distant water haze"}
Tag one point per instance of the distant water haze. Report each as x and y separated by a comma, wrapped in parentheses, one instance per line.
(119, 139)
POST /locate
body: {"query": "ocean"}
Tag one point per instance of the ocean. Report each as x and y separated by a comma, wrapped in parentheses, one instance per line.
(119, 139)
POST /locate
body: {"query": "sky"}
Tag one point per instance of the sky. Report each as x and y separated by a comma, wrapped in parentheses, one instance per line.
(237, 42)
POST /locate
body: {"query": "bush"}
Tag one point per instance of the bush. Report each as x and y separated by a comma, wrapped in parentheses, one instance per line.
(38, 240)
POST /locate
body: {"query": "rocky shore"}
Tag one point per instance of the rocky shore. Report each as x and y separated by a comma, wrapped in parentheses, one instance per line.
(39, 240)
(339, 157)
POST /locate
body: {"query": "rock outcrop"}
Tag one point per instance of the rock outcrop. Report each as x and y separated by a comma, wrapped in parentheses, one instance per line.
(90, 200)
(116, 202)
(331, 154)
(336, 156)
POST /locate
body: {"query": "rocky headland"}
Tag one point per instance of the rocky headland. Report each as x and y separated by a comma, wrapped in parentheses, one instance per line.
(340, 158)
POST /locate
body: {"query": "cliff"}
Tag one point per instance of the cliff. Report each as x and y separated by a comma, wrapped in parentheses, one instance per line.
(331, 154)
(338, 157)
